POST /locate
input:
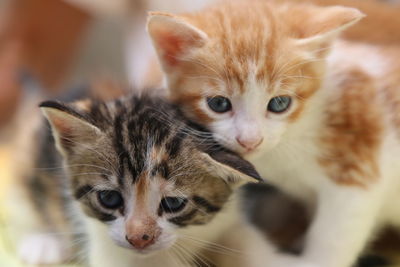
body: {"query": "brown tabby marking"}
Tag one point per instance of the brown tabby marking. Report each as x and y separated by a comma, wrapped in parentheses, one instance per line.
(133, 144)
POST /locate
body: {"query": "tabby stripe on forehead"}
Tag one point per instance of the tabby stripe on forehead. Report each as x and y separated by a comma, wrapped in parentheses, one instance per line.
(159, 128)
(123, 155)
(205, 204)
(82, 191)
(173, 146)
(135, 132)
(184, 219)
(137, 106)
(161, 169)
(104, 115)
(119, 145)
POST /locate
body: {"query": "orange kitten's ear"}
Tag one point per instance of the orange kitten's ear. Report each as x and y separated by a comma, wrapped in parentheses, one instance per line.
(318, 26)
(70, 129)
(173, 38)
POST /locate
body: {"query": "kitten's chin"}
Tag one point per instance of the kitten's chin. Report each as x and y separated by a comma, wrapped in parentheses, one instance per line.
(246, 153)
(253, 155)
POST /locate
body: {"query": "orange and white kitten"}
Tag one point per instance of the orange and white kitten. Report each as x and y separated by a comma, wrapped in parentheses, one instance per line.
(319, 117)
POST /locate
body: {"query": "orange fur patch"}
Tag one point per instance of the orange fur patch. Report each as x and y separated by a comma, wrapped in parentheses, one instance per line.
(353, 132)
(307, 82)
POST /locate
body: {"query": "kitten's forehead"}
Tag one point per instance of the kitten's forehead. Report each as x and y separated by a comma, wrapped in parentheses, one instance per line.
(243, 42)
(145, 139)
(250, 44)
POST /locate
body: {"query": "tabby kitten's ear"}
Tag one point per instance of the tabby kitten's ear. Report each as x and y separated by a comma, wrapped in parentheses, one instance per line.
(173, 38)
(231, 167)
(70, 128)
(316, 27)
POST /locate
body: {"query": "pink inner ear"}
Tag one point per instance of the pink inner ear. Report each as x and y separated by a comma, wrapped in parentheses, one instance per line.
(172, 46)
(63, 128)
(65, 132)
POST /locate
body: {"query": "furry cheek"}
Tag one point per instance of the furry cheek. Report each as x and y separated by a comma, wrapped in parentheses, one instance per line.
(117, 232)
(273, 133)
(168, 236)
(224, 132)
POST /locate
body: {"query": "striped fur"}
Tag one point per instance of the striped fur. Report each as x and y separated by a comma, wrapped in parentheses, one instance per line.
(145, 149)
(141, 138)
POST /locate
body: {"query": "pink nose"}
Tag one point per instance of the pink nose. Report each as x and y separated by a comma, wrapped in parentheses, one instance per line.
(141, 241)
(250, 144)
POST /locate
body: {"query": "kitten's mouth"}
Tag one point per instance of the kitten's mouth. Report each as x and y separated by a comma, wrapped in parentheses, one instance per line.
(251, 154)
(144, 252)
(248, 151)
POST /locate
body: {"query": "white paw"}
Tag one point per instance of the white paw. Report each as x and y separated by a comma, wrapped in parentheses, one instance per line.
(42, 249)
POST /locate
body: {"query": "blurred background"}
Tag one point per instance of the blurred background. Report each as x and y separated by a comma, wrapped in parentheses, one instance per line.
(69, 44)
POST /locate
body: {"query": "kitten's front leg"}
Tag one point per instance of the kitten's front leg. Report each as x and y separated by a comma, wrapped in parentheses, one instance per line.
(343, 223)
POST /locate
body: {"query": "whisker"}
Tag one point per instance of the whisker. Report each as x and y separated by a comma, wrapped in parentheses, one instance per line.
(213, 246)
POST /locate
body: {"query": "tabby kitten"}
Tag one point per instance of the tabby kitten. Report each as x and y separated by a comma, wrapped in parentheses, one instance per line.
(141, 175)
(322, 126)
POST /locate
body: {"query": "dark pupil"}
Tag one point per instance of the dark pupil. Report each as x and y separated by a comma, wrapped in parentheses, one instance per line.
(279, 104)
(173, 204)
(219, 104)
(110, 199)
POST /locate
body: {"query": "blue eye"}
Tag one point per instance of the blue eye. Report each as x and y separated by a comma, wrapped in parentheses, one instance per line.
(110, 199)
(173, 204)
(219, 104)
(279, 104)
